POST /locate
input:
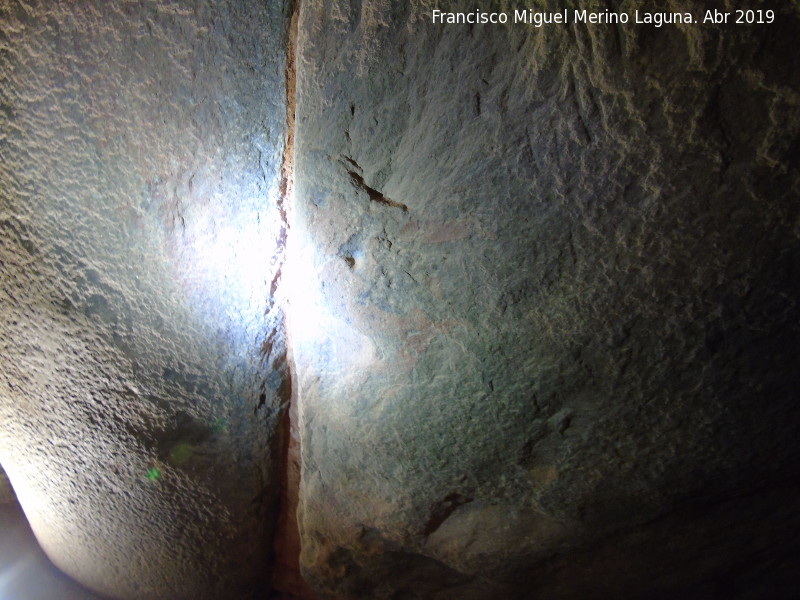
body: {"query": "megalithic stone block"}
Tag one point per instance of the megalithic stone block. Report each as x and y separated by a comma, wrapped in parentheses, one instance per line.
(142, 361)
(555, 301)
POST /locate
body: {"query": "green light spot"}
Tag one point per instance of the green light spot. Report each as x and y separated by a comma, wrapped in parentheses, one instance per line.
(180, 453)
(153, 473)
(220, 425)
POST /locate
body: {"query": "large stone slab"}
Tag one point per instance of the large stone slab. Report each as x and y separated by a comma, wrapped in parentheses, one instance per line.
(142, 369)
(549, 297)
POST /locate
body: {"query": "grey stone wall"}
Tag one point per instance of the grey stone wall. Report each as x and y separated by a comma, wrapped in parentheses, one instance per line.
(140, 228)
(556, 298)
(541, 297)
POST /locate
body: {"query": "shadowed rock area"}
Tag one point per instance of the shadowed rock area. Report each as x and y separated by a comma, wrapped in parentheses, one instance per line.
(555, 350)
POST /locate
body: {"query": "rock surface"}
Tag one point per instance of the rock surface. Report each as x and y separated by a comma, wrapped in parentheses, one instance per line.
(6, 491)
(542, 293)
(142, 361)
(547, 340)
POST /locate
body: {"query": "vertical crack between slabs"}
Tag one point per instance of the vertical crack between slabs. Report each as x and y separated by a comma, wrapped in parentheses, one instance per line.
(287, 582)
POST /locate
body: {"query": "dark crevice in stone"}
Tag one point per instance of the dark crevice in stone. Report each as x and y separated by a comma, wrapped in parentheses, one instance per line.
(443, 511)
(287, 582)
(374, 194)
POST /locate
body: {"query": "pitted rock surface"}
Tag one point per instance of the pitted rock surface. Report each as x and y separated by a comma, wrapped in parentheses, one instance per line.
(541, 300)
(556, 300)
(142, 361)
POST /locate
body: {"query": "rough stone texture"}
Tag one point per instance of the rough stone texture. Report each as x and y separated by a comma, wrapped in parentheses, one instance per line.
(6, 491)
(142, 362)
(542, 287)
(548, 329)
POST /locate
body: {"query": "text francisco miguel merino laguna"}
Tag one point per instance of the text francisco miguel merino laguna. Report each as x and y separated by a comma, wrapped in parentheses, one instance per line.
(538, 19)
